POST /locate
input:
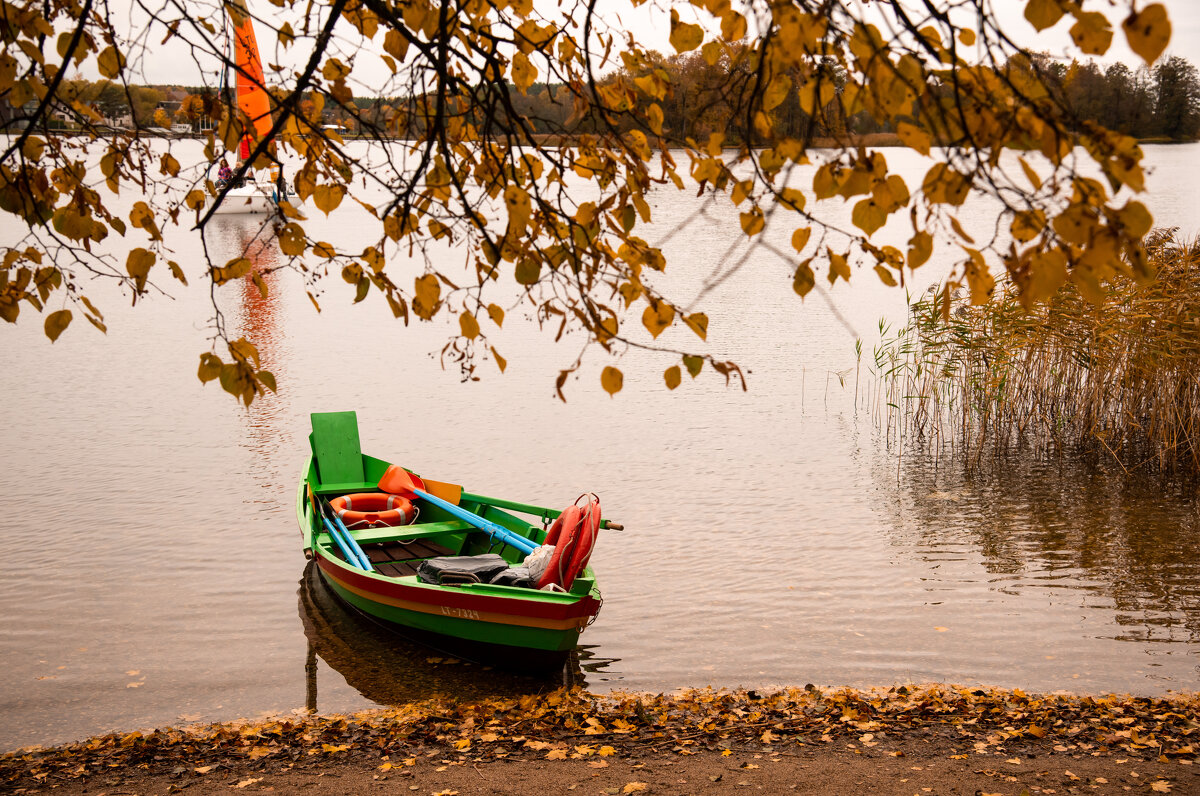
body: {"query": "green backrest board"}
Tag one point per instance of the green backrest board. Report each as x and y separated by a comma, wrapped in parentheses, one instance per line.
(335, 445)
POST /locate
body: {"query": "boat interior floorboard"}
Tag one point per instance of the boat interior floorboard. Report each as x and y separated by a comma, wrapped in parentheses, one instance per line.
(399, 559)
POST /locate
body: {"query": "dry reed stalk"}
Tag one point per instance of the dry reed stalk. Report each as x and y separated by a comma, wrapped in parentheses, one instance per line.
(1121, 378)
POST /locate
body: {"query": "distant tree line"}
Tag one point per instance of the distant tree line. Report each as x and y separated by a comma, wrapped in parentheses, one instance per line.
(1158, 103)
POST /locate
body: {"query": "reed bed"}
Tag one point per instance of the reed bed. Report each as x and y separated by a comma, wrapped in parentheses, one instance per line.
(1119, 380)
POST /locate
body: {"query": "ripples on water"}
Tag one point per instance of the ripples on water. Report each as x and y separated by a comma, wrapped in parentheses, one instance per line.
(772, 538)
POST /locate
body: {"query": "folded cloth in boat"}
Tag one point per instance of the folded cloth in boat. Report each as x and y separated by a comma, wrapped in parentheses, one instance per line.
(515, 576)
(450, 570)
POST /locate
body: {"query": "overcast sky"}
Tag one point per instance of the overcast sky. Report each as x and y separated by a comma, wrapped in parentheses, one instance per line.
(650, 25)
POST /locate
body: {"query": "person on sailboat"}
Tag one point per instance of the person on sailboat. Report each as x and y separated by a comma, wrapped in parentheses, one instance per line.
(224, 174)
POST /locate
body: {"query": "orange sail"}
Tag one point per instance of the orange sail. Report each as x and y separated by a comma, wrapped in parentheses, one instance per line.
(252, 98)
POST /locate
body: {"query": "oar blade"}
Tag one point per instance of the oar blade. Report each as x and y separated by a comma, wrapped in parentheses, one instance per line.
(398, 481)
(451, 493)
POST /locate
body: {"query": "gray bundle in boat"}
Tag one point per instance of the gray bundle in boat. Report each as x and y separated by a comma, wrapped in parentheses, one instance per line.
(451, 570)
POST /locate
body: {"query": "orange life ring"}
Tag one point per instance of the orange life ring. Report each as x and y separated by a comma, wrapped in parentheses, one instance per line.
(573, 535)
(372, 509)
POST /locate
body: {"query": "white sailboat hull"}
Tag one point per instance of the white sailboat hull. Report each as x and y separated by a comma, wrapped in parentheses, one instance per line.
(246, 200)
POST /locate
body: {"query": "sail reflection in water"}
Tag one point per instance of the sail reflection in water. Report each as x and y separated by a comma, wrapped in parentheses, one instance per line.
(390, 669)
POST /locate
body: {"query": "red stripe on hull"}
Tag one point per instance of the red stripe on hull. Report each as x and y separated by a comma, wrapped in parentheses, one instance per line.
(392, 591)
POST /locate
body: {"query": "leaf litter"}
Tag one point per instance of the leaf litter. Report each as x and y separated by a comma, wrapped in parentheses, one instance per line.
(574, 724)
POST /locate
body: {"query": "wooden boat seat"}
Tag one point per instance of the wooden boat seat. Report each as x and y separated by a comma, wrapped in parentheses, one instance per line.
(407, 533)
(343, 489)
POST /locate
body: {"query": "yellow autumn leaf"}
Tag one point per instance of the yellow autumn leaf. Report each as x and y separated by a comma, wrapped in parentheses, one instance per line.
(1026, 224)
(654, 116)
(1135, 218)
(138, 264)
(1043, 14)
(169, 165)
(698, 323)
(776, 92)
(944, 185)
(752, 222)
(328, 197)
(657, 317)
(800, 238)
(920, 247)
(804, 279)
(1092, 33)
(56, 322)
(914, 137)
(838, 266)
(1148, 31)
(469, 326)
(524, 73)
(684, 36)
(634, 787)
(561, 754)
(427, 291)
(1030, 174)
(673, 376)
(612, 380)
(792, 199)
(292, 240)
(868, 216)
(110, 62)
(519, 208)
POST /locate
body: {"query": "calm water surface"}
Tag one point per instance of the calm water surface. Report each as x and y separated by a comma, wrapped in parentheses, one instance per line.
(155, 577)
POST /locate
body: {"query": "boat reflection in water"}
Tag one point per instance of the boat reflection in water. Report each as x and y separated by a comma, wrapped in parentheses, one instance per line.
(391, 669)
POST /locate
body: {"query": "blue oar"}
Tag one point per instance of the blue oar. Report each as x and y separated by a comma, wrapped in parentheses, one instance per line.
(348, 544)
(351, 559)
(399, 481)
(526, 546)
(350, 540)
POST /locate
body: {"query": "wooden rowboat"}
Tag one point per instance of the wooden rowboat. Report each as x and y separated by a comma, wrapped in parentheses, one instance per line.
(515, 626)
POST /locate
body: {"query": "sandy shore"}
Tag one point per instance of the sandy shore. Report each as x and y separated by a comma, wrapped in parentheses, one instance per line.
(937, 739)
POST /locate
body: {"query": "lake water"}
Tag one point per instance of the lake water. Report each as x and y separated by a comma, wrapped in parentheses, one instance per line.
(154, 573)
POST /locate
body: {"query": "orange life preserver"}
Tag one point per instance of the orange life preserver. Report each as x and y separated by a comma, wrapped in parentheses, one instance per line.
(372, 509)
(573, 535)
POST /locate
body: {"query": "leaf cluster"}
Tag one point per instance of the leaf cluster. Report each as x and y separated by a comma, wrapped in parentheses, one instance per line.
(474, 171)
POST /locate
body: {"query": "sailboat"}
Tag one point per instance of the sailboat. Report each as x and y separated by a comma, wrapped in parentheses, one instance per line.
(251, 98)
